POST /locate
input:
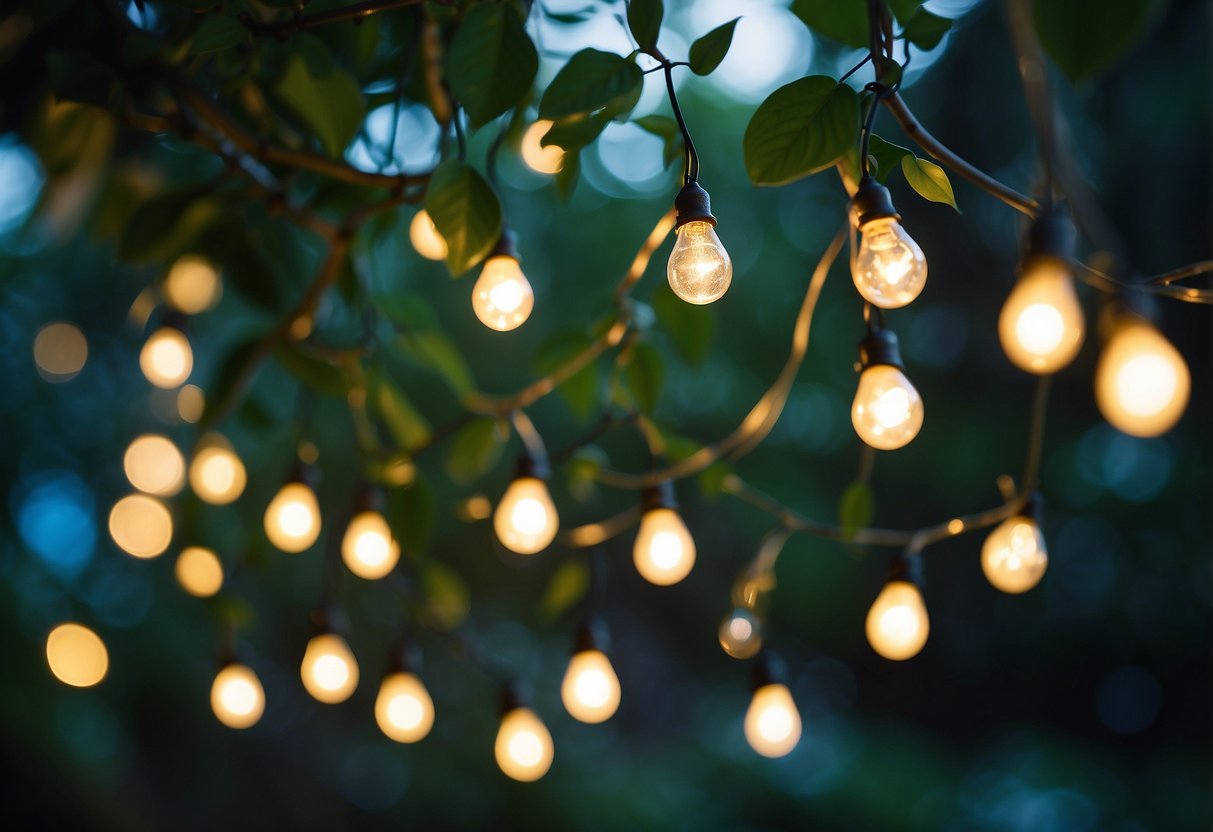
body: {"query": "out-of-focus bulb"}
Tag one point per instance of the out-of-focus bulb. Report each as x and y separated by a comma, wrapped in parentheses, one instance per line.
(141, 526)
(502, 297)
(192, 285)
(889, 269)
(546, 160)
(591, 689)
(524, 747)
(153, 464)
(897, 623)
(166, 358)
(424, 236)
(699, 270)
(1142, 382)
(76, 655)
(403, 708)
(772, 723)
(199, 571)
(740, 634)
(887, 411)
(237, 697)
(217, 475)
(60, 351)
(1013, 557)
(368, 548)
(526, 519)
(664, 552)
(329, 670)
(292, 519)
(1041, 325)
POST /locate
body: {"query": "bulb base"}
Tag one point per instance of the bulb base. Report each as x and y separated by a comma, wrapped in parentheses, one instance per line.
(906, 567)
(872, 201)
(590, 635)
(512, 697)
(1033, 507)
(507, 245)
(693, 205)
(529, 466)
(659, 496)
(1051, 236)
(767, 668)
(880, 346)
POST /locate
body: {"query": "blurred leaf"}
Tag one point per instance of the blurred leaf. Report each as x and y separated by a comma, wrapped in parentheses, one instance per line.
(580, 391)
(593, 80)
(165, 225)
(1086, 36)
(408, 311)
(708, 51)
(244, 260)
(888, 156)
(406, 424)
(926, 30)
(466, 213)
(215, 33)
(575, 132)
(434, 350)
(566, 179)
(688, 326)
(312, 371)
(446, 595)
(331, 106)
(711, 479)
(667, 130)
(903, 10)
(568, 585)
(583, 471)
(644, 376)
(231, 368)
(473, 451)
(491, 62)
(846, 21)
(410, 512)
(644, 19)
(802, 128)
(856, 508)
(929, 180)
(78, 76)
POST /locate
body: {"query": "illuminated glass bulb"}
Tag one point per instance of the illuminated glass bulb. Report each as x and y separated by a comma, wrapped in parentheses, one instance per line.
(1041, 325)
(191, 402)
(1013, 557)
(237, 697)
(166, 358)
(526, 519)
(424, 236)
(897, 623)
(1142, 382)
(60, 351)
(740, 634)
(664, 551)
(591, 689)
(329, 670)
(368, 548)
(217, 475)
(192, 285)
(887, 411)
(524, 747)
(772, 723)
(547, 160)
(199, 571)
(889, 269)
(76, 655)
(141, 525)
(502, 297)
(153, 464)
(403, 708)
(699, 270)
(292, 519)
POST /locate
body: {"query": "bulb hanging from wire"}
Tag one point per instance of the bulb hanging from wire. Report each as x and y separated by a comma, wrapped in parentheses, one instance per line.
(772, 722)
(166, 358)
(664, 552)
(1014, 557)
(426, 239)
(523, 748)
(887, 411)
(216, 473)
(526, 520)
(368, 547)
(699, 269)
(292, 519)
(590, 690)
(329, 670)
(1141, 382)
(740, 634)
(897, 624)
(237, 697)
(889, 268)
(502, 297)
(403, 708)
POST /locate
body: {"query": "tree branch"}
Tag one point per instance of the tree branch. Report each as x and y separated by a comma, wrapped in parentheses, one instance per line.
(357, 12)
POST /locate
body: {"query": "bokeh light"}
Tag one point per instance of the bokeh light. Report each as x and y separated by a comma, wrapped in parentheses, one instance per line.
(199, 571)
(60, 350)
(154, 465)
(76, 655)
(192, 285)
(141, 525)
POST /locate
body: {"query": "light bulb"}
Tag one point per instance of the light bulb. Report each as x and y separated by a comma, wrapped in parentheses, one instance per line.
(1041, 325)
(664, 551)
(887, 411)
(897, 623)
(524, 746)
(403, 708)
(539, 158)
(502, 298)
(740, 634)
(199, 571)
(772, 723)
(192, 285)
(368, 548)
(590, 689)
(699, 270)
(1142, 382)
(237, 697)
(292, 519)
(526, 519)
(166, 358)
(76, 655)
(889, 269)
(424, 236)
(1013, 557)
(141, 526)
(153, 464)
(217, 475)
(329, 670)
(60, 351)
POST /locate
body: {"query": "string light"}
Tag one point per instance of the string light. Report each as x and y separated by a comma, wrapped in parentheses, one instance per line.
(329, 669)
(740, 634)
(199, 571)
(153, 464)
(699, 269)
(426, 239)
(664, 552)
(292, 519)
(60, 351)
(887, 411)
(523, 748)
(76, 655)
(772, 722)
(889, 269)
(897, 624)
(590, 690)
(217, 475)
(166, 358)
(502, 297)
(525, 520)
(237, 697)
(1141, 382)
(192, 285)
(368, 548)
(403, 708)
(545, 159)
(1014, 557)
(141, 526)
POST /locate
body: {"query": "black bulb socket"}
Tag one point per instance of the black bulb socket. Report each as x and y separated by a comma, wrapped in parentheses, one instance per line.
(880, 347)
(767, 668)
(507, 245)
(872, 201)
(591, 634)
(693, 205)
(1033, 507)
(659, 496)
(906, 567)
(531, 467)
(1051, 237)
(512, 697)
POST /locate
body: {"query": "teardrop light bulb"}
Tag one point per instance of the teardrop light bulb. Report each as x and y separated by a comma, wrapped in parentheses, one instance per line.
(403, 708)
(525, 520)
(368, 548)
(889, 269)
(1041, 324)
(217, 475)
(699, 269)
(292, 519)
(590, 690)
(502, 297)
(887, 411)
(1014, 557)
(524, 746)
(897, 624)
(772, 722)
(424, 236)
(329, 670)
(664, 552)
(166, 358)
(237, 697)
(740, 634)
(1141, 382)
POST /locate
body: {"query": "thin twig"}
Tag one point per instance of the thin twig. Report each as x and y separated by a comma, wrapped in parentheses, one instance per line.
(357, 13)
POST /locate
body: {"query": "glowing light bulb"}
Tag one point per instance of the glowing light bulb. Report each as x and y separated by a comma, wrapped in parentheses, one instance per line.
(740, 634)
(887, 411)
(546, 160)
(166, 358)
(664, 552)
(424, 236)
(897, 623)
(526, 519)
(1041, 325)
(1014, 557)
(889, 269)
(141, 526)
(368, 548)
(590, 689)
(199, 571)
(403, 708)
(292, 519)
(502, 297)
(153, 464)
(60, 352)
(524, 747)
(217, 475)
(192, 285)
(237, 697)
(191, 402)
(1141, 382)
(76, 655)
(699, 269)
(772, 723)
(329, 670)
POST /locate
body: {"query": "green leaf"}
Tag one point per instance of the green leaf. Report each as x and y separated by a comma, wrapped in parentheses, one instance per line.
(491, 62)
(708, 51)
(667, 130)
(473, 451)
(410, 512)
(929, 180)
(1086, 36)
(575, 132)
(312, 371)
(926, 30)
(887, 155)
(802, 128)
(435, 351)
(711, 479)
(582, 471)
(466, 213)
(580, 391)
(216, 33)
(903, 10)
(233, 367)
(568, 585)
(644, 376)
(845, 21)
(165, 225)
(331, 106)
(592, 80)
(856, 508)
(446, 595)
(688, 326)
(406, 424)
(644, 19)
